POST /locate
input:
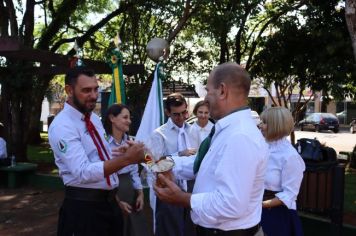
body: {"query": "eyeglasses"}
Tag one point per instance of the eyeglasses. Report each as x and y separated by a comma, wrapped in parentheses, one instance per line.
(179, 114)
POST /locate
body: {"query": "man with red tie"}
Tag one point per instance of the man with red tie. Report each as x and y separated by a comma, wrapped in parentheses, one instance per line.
(86, 164)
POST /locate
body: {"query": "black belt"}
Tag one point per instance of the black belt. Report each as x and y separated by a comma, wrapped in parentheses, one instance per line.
(89, 194)
(269, 194)
(202, 231)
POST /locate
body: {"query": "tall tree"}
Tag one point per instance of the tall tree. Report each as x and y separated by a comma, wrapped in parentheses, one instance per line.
(64, 22)
(308, 50)
(350, 13)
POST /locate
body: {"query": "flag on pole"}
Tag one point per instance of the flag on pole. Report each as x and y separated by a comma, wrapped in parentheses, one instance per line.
(153, 116)
(117, 94)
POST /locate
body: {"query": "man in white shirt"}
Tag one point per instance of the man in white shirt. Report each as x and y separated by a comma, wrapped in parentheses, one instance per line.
(172, 138)
(227, 195)
(85, 162)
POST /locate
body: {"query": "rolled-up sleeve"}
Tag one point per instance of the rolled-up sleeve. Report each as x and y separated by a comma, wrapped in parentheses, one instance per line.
(183, 167)
(292, 176)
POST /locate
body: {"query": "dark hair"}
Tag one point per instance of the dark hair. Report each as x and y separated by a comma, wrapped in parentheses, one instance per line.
(114, 110)
(73, 74)
(174, 100)
(199, 104)
(232, 74)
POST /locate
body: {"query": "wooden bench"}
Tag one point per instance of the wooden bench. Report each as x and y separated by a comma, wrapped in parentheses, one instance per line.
(18, 174)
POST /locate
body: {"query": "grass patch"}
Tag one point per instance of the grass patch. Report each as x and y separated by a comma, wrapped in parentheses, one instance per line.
(40, 154)
(43, 156)
(350, 192)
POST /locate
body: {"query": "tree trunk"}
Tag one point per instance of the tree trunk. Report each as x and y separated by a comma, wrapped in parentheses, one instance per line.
(15, 123)
(16, 102)
(223, 48)
(34, 130)
(35, 108)
(350, 15)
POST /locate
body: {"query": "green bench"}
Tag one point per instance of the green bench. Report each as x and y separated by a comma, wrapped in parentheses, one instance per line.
(18, 174)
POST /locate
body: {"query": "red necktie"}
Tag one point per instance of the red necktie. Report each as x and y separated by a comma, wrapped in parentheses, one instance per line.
(97, 141)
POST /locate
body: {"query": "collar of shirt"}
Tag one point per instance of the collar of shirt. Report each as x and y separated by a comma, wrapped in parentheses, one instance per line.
(230, 119)
(276, 144)
(171, 125)
(207, 127)
(73, 112)
(111, 140)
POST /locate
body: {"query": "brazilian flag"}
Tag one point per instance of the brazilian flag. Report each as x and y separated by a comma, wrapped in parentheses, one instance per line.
(117, 94)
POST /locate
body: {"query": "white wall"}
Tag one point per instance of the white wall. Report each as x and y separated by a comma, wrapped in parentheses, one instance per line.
(45, 111)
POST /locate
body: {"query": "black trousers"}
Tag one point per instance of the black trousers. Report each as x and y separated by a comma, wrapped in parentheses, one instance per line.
(169, 219)
(89, 218)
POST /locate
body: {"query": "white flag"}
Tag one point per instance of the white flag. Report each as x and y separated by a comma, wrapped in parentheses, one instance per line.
(153, 116)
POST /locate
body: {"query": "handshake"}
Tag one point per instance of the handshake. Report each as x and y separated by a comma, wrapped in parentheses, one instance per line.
(131, 153)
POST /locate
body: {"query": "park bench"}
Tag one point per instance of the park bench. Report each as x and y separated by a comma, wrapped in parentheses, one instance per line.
(18, 174)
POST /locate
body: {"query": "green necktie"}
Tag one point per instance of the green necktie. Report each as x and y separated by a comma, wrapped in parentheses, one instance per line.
(204, 146)
(203, 149)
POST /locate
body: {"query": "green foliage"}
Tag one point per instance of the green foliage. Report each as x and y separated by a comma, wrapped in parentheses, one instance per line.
(41, 153)
(311, 48)
(350, 193)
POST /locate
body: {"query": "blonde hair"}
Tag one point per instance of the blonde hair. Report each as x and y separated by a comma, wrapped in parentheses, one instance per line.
(280, 123)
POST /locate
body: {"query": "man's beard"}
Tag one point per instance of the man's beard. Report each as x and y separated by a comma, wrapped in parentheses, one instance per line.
(81, 107)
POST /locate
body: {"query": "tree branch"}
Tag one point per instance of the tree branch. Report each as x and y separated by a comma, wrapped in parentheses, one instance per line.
(269, 94)
(51, 8)
(82, 39)
(350, 15)
(187, 13)
(12, 18)
(65, 10)
(28, 22)
(264, 27)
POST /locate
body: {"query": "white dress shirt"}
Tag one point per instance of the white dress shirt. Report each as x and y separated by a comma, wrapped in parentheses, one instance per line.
(163, 142)
(284, 172)
(229, 185)
(130, 169)
(3, 150)
(202, 132)
(75, 153)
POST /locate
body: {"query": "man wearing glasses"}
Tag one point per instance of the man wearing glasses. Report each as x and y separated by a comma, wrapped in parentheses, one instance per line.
(172, 138)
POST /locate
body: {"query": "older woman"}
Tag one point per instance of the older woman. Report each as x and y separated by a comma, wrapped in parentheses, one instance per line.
(116, 123)
(283, 176)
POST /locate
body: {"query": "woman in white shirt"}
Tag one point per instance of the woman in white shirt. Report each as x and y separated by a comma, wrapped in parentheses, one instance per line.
(202, 127)
(130, 194)
(283, 176)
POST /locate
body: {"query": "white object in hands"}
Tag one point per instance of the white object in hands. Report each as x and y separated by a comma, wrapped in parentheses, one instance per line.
(163, 165)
